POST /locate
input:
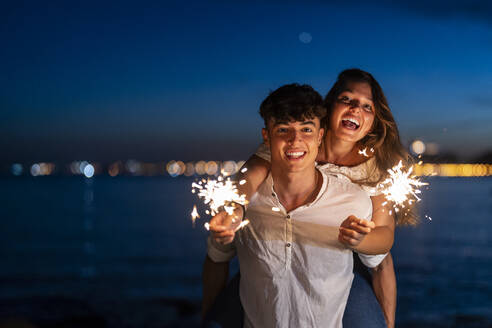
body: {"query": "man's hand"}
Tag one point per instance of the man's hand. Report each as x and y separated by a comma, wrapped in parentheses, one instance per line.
(353, 231)
(223, 225)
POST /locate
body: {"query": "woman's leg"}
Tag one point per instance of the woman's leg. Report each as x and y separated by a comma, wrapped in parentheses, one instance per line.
(363, 309)
(384, 286)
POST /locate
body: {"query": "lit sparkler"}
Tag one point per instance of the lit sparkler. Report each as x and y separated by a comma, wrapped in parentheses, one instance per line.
(194, 215)
(220, 195)
(401, 187)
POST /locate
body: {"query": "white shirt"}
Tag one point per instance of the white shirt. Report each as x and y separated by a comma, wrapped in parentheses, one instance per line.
(294, 272)
(364, 171)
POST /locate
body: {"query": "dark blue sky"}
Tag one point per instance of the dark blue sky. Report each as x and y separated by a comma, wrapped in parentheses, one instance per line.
(183, 80)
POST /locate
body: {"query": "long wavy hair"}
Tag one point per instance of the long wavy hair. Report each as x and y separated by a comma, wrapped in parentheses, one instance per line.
(383, 138)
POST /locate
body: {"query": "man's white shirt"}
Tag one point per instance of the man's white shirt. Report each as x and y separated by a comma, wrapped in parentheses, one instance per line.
(294, 271)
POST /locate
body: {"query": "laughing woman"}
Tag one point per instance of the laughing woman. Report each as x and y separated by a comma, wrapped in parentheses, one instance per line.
(361, 143)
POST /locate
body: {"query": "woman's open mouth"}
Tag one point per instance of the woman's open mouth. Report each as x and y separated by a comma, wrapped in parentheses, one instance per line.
(350, 123)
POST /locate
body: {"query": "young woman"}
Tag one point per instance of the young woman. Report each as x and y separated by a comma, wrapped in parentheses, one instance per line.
(361, 142)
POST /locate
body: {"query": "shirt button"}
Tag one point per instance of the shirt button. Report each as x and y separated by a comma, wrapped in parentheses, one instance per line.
(273, 194)
(288, 217)
(288, 245)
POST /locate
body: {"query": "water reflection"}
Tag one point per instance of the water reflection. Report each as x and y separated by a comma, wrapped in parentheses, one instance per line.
(88, 269)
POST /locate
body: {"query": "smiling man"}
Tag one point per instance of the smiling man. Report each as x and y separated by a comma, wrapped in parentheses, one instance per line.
(294, 271)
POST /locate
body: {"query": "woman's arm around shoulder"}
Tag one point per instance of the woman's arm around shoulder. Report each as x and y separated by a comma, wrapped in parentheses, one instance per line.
(257, 170)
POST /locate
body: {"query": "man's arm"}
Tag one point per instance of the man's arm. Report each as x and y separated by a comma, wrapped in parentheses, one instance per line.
(215, 274)
(384, 285)
(214, 279)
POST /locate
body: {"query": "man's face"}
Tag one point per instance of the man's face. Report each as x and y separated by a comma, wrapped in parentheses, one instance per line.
(293, 145)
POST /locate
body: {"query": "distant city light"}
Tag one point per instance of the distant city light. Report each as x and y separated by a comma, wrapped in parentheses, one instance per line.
(75, 168)
(212, 168)
(177, 168)
(229, 168)
(17, 169)
(133, 167)
(418, 147)
(454, 170)
(200, 167)
(182, 167)
(35, 170)
(190, 169)
(89, 171)
(115, 169)
(46, 168)
(173, 168)
(82, 166)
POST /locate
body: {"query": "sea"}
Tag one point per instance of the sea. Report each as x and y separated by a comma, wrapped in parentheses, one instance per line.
(123, 252)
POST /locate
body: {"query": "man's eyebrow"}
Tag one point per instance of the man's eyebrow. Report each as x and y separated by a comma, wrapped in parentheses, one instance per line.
(308, 123)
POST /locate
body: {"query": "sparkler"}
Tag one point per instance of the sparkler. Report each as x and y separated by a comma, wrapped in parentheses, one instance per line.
(401, 188)
(219, 195)
(194, 215)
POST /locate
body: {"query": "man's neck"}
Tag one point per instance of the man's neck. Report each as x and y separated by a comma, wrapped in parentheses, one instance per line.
(296, 189)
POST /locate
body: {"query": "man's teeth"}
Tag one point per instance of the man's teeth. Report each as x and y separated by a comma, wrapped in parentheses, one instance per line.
(295, 154)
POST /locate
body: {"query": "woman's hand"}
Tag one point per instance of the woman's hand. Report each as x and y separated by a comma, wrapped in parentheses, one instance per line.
(353, 231)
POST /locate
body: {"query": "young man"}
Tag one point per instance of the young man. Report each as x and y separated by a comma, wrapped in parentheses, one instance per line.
(294, 271)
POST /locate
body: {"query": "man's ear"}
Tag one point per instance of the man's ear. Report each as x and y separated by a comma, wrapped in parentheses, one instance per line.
(266, 140)
(321, 133)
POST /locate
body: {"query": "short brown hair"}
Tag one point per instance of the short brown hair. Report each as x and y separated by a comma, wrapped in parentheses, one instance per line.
(292, 102)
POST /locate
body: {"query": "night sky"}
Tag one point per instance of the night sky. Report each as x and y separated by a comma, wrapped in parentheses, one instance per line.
(184, 80)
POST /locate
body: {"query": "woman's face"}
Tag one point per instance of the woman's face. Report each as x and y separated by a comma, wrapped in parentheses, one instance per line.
(352, 115)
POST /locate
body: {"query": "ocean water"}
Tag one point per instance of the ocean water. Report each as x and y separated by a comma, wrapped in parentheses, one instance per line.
(126, 248)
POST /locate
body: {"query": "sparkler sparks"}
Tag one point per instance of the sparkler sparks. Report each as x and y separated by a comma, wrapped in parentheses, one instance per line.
(194, 215)
(401, 188)
(364, 152)
(220, 194)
